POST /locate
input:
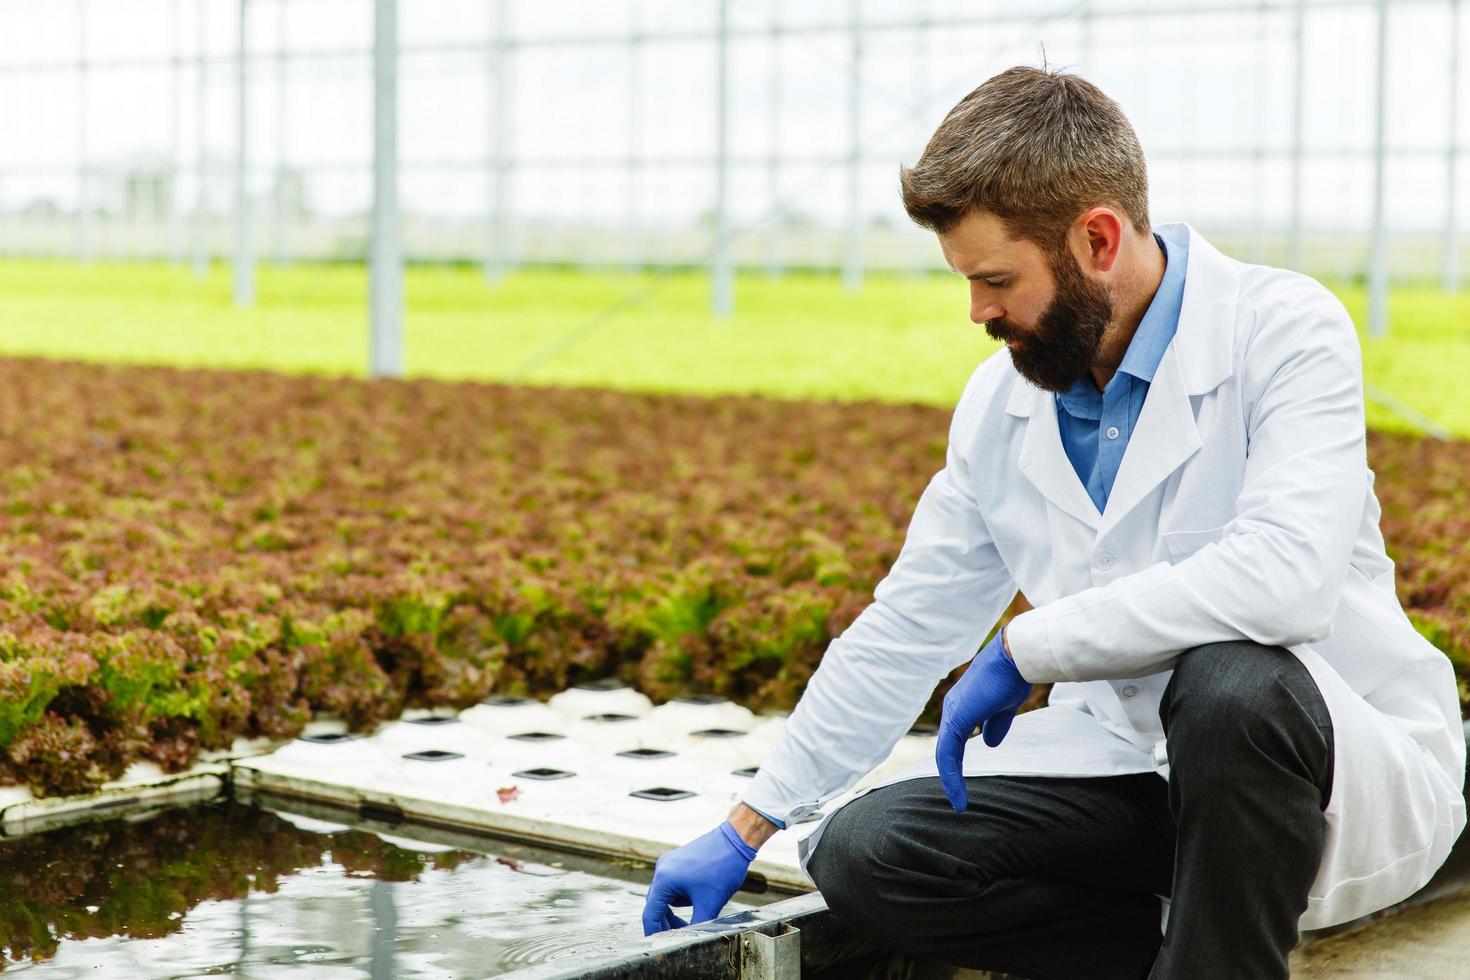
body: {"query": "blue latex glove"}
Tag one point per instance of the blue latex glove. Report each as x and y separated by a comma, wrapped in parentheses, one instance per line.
(988, 694)
(704, 873)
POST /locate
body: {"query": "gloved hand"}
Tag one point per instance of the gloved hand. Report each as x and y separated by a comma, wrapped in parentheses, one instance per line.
(988, 694)
(704, 873)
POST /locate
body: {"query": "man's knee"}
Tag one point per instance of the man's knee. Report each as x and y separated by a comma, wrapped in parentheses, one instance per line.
(850, 861)
(1222, 687)
(885, 857)
(1237, 699)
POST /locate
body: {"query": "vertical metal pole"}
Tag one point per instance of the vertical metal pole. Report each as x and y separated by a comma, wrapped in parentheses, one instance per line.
(201, 117)
(722, 286)
(1377, 250)
(283, 104)
(386, 287)
(773, 160)
(84, 202)
(176, 138)
(1451, 161)
(1258, 151)
(1298, 118)
(1086, 28)
(922, 27)
(244, 260)
(635, 97)
(497, 232)
(852, 258)
(495, 61)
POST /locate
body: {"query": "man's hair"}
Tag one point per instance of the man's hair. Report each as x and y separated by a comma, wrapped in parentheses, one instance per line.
(1035, 148)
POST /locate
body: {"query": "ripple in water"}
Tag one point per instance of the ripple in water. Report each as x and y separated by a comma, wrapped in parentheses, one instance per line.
(302, 904)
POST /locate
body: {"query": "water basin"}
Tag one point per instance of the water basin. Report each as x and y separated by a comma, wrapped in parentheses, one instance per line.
(227, 888)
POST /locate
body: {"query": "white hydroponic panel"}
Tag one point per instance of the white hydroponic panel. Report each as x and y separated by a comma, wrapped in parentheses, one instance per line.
(142, 786)
(596, 768)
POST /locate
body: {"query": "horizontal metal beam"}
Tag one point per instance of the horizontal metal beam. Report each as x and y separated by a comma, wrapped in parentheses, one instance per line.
(620, 162)
(836, 28)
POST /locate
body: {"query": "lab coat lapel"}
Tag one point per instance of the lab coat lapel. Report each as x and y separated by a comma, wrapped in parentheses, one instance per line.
(1197, 359)
(1165, 436)
(1043, 460)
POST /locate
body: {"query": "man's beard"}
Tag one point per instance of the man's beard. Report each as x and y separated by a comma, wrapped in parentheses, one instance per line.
(1067, 338)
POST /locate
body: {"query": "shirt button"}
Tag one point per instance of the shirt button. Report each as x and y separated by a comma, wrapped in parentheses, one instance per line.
(1129, 691)
(1106, 559)
(1112, 432)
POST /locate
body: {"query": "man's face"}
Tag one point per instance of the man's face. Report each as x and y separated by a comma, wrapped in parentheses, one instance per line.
(1049, 313)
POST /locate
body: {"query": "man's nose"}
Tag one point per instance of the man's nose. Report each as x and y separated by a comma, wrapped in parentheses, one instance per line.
(982, 310)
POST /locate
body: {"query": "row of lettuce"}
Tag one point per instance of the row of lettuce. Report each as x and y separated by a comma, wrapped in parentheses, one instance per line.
(191, 557)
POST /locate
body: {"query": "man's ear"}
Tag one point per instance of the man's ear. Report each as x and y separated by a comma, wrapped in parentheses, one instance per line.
(1100, 230)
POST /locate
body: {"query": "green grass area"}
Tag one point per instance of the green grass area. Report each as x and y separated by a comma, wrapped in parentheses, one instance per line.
(902, 338)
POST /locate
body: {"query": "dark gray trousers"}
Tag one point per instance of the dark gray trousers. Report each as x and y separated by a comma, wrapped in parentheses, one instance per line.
(1051, 878)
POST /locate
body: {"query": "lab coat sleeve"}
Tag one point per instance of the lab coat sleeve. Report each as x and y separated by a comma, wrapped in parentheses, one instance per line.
(1277, 571)
(929, 614)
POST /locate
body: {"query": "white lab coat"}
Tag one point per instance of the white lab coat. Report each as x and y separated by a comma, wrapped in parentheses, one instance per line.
(1243, 508)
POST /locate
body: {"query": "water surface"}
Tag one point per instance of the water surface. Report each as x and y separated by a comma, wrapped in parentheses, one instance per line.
(225, 889)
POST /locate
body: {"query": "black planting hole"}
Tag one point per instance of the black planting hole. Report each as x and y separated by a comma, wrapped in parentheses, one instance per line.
(702, 699)
(717, 733)
(535, 736)
(432, 755)
(662, 793)
(747, 771)
(433, 720)
(645, 754)
(543, 772)
(327, 738)
(605, 684)
(506, 700)
(814, 815)
(609, 716)
(382, 812)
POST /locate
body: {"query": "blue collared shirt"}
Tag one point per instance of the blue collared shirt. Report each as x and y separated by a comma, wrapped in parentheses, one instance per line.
(1095, 425)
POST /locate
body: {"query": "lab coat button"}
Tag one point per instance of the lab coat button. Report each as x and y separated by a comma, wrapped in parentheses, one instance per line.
(1106, 559)
(1112, 432)
(1129, 691)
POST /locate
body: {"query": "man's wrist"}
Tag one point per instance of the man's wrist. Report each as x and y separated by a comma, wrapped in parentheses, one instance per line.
(754, 828)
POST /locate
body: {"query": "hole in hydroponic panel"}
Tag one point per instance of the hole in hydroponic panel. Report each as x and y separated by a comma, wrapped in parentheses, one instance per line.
(702, 699)
(604, 684)
(326, 738)
(747, 771)
(662, 793)
(543, 772)
(432, 755)
(382, 811)
(535, 736)
(645, 754)
(506, 700)
(431, 720)
(609, 716)
(814, 815)
(717, 733)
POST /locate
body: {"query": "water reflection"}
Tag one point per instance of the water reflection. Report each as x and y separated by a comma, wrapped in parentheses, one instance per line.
(227, 889)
